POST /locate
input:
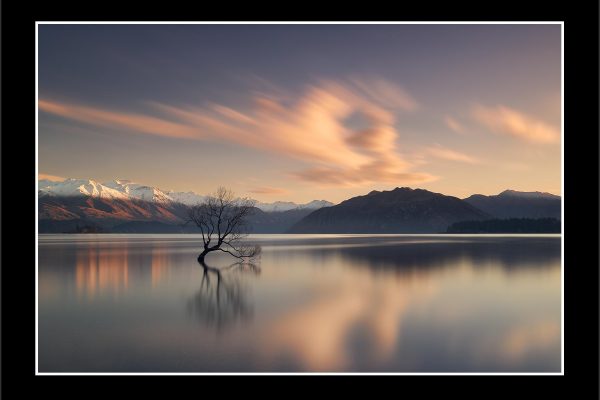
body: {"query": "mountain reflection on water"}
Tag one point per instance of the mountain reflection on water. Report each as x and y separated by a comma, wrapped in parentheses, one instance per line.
(394, 303)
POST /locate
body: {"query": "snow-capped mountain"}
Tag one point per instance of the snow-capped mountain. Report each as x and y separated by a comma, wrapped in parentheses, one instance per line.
(122, 206)
(139, 191)
(288, 205)
(187, 198)
(127, 190)
(316, 204)
(79, 187)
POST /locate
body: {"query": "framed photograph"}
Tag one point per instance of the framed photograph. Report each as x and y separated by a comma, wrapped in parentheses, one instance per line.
(305, 198)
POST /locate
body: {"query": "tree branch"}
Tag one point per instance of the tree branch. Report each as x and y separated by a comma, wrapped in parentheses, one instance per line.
(227, 251)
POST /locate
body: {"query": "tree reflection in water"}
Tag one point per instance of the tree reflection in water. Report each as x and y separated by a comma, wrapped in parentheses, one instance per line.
(221, 299)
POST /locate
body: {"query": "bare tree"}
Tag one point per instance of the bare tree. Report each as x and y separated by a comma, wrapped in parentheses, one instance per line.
(223, 222)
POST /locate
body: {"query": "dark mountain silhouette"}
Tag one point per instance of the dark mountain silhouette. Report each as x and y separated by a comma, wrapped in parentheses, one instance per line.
(513, 204)
(276, 221)
(402, 210)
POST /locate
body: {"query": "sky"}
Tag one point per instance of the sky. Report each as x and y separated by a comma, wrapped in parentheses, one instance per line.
(303, 112)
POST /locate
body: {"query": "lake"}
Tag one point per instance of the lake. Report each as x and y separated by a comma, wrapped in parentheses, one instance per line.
(312, 303)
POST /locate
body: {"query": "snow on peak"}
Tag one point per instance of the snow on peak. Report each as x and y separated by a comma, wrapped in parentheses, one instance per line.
(187, 198)
(317, 204)
(139, 191)
(288, 205)
(78, 187)
(127, 190)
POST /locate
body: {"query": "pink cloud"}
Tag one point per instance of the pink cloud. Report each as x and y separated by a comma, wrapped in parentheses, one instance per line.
(451, 155)
(267, 190)
(113, 119)
(502, 119)
(52, 178)
(363, 176)
(310, 128)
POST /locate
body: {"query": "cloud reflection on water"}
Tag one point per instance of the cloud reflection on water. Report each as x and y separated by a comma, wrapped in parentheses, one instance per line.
(319, 304)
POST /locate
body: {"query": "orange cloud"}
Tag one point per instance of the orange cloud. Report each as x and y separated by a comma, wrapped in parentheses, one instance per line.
(52, 178)
(112, 119)
(310, 128)
(502, 119)
(376, 172)
(451, 155)
(268, 190)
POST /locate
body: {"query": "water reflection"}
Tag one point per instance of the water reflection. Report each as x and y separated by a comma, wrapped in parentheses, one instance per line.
(359, 316)
(100, 271)
(510, 254)
(221, 299)
(414, 304)
(160, 264)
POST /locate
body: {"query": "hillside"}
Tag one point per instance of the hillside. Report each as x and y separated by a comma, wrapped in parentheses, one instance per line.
(402, 210)
(514, 204)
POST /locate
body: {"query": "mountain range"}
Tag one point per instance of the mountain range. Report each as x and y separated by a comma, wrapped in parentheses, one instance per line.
(513, 204)
(125, 206)
(127, 190)
(402, 210)
(122, 206)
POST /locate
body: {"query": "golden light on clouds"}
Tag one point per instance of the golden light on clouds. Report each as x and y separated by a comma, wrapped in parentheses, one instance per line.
(267, 190)
(52, 178)
(311, 128)
(451, 155)
(118, 120)
(505, 120)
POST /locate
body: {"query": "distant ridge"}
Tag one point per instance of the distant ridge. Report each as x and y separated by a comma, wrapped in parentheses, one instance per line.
(402, 210)
(125, 189)
(85, 205)
(515, 204)
(123, 206)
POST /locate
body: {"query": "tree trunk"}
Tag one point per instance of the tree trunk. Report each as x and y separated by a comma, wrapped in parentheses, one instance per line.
(202, 255)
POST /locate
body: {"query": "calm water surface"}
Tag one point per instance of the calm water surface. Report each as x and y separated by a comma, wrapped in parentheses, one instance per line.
(361, 303)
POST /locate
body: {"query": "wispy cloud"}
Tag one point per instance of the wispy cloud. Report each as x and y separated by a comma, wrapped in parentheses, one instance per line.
(386, 94)
(310, 128)
(267, 190)
(119, 120)
(454, 125)
(451, 155)
(49, 177)
(505, 120)
(361, 176)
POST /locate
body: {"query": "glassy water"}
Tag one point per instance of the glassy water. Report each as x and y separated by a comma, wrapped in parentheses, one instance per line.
(322, 303)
